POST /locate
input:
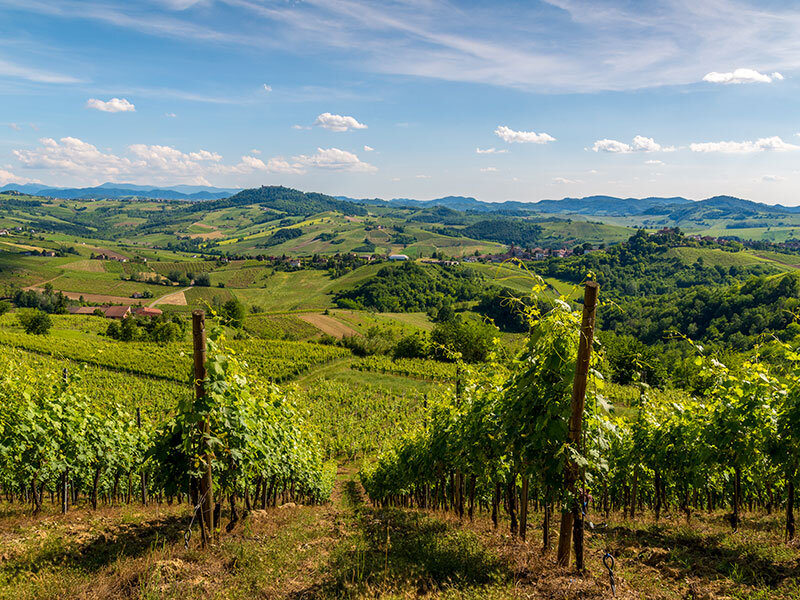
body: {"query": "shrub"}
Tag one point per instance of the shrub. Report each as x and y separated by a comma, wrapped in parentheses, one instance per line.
(35, 321)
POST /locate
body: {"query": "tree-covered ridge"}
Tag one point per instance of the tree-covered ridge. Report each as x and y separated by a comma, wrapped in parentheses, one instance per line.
(737, 314)
(288, 200)
(410, 287)
(504, 231)
(642, 267)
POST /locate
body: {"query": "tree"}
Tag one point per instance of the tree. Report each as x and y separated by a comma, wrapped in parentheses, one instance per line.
(471, 339)
(415, 345)
(35, 321)
(233, 313)
(445, 313)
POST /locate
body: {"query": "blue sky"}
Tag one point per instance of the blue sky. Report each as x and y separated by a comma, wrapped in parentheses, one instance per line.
(414, 98)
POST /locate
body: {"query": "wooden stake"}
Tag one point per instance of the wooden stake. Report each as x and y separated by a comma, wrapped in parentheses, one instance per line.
(574, 519)
(143, 475)
(206, 484)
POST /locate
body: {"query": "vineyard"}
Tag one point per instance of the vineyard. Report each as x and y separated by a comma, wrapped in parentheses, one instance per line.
(270, 327)
(277, 360)
(419, 368)
(499, 442)
(56, 438)
(469, 475)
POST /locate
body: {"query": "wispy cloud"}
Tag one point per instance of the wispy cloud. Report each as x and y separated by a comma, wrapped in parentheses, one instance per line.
(494, 150)
(9, 69)
(621, 45)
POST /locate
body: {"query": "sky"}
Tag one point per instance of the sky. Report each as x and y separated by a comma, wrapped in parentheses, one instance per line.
(409, 98)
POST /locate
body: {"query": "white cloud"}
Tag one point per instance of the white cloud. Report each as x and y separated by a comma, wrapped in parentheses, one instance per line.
(522, 137)
(368, 148)
(255, 151)
(564, 180)
(300, 127)
(640, 144)
(654, 162)
(337, 122)
(9, 177)
(593, 171)
(770, 178)
(335, 159)
(280, 165)
(73, 158)
(606, 145)
(14, 126)
(114, 105)
(489, 170)
(251, 162)
(494, 150)
(422, 176)
(267, 88)
(645, 144)
(746, 147)
(170, 115)
(741, 76)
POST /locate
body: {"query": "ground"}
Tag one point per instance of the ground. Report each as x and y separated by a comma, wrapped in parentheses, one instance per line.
(349, 549)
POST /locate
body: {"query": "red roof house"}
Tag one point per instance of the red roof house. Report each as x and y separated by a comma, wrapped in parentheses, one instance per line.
(117, 312)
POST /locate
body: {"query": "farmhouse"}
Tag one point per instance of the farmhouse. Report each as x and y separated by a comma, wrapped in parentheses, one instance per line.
(398, 257)
(82, 310)
(116, 312)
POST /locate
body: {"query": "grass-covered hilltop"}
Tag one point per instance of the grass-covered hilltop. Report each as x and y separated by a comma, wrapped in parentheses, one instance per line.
(387, 395)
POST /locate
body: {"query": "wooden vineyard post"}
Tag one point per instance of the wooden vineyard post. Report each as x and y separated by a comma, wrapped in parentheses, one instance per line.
(143, 475)
(65, 476)
(572, 522)
(206, 485)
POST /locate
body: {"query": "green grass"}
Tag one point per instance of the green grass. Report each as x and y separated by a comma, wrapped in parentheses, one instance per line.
(200, 296)
(361, 321)
(286, 291)
(715, 256)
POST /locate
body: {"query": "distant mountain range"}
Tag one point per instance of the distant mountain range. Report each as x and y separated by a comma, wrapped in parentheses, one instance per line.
(124, 190)
(675, 208)
(590, 205)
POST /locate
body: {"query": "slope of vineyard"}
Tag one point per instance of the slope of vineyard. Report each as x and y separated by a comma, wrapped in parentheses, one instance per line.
(276, 360)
